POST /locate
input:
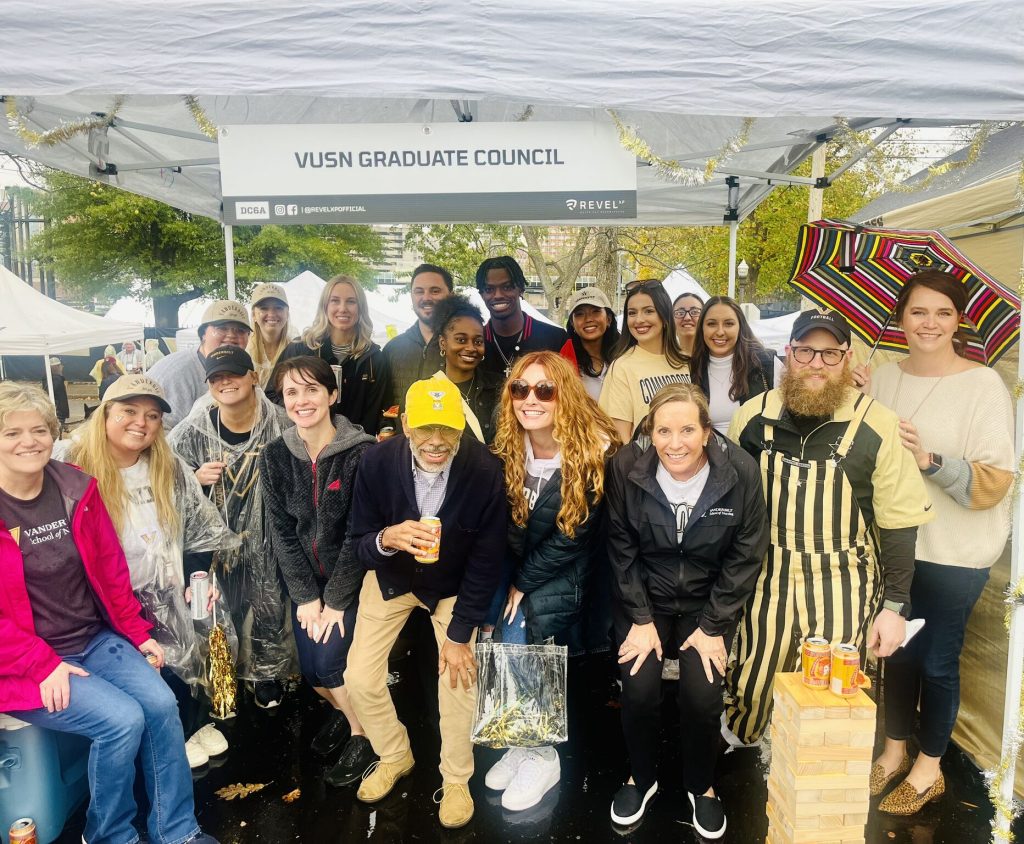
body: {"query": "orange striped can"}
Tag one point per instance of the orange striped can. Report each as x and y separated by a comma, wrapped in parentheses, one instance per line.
(847, 678)
(816, 659)
(431, 554)
(22, 831)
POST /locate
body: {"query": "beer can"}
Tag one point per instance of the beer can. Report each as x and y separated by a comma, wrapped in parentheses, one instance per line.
(430, 555)
(200, 583)
(337, 376)
(22, 831)
(386, 433)
(816, 658)
(151, 659)
(846, 676)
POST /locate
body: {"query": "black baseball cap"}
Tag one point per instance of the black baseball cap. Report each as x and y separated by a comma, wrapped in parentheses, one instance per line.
(228, 359)
(824, 318)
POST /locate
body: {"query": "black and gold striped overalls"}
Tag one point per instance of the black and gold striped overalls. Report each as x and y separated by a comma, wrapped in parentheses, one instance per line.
(820, 577)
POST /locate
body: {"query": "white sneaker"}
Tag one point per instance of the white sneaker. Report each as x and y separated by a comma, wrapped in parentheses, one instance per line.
(211, 740)
(538, 772)
(197, 756)
(502, 771)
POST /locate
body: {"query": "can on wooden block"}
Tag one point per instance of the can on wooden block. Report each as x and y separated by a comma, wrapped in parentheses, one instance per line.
(431, 554)
(846, 674)
(816, 658)
(200, 583)
(22, 831)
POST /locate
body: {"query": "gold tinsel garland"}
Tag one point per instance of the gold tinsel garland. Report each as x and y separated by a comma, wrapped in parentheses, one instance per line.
(206, 126)
(221, 674)
(64, 131)
(671, 170)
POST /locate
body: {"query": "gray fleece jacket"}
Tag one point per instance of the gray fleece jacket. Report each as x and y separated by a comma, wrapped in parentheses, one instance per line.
(307, 506)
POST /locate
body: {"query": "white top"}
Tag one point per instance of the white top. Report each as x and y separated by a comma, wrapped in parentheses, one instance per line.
(593, 383)
(682, 495)
(968, 416)
(142, 536)
(720, 405)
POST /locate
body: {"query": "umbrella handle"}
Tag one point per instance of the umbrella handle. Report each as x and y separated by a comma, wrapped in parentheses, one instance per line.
(874, 346)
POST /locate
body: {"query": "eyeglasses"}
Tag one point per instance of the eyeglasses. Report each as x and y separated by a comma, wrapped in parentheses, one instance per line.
(829, 357)
(679, 313)
(640, 284)
(224, 330)
(427, 432)
(544, 390)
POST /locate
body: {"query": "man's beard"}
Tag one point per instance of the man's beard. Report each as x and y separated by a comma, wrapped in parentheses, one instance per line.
(434, 468)
(800, 399)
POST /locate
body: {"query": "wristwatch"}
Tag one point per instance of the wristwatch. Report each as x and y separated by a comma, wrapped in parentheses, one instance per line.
(899, 607)
(934, 463)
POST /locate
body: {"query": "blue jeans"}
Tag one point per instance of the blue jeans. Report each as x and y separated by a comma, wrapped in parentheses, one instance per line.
(929, 667)
(513, 632)
(127, 710)
(323, 664)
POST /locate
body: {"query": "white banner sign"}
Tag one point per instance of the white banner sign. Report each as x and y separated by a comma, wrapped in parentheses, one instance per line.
(411, 173)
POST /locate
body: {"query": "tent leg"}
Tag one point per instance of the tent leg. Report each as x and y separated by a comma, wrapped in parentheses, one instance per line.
(49, 378)
(229, 259)
(817, 195)
(733, 228)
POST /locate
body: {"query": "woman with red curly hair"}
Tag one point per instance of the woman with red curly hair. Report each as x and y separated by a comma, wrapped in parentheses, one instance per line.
(554, 440)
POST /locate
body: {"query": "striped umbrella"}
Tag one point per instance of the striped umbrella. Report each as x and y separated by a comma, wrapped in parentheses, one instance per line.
(859, 271)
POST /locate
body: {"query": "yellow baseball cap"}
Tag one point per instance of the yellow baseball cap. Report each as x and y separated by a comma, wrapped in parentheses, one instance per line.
(435, 401)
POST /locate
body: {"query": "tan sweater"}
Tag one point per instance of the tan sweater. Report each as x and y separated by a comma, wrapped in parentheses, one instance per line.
(632, 381)
(967, 418)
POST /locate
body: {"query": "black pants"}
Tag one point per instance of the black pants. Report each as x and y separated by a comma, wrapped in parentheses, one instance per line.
(929, 667)
(700, 705)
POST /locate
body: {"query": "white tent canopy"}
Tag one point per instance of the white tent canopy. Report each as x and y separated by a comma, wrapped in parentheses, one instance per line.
(684, 75)
(34, 324)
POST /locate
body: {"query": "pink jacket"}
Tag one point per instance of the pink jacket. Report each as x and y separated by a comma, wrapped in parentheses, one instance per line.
(25, 659)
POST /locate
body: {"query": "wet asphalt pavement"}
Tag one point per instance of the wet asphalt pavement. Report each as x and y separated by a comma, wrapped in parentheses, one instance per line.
(272, 747)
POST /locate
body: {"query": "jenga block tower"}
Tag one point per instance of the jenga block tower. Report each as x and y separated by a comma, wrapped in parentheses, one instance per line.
(821, 764)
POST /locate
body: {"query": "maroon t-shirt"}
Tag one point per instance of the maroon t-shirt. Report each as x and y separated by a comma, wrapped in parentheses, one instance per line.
(64, 608)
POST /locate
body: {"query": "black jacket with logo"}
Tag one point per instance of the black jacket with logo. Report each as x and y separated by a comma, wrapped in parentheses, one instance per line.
(713, 570)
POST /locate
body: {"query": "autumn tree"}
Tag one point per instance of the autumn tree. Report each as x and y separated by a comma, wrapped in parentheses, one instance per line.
(105, 242)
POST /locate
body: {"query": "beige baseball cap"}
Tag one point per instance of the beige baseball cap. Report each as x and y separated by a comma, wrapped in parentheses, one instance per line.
(268, 290)
(225, 310)
(587, 296)
(133, 386)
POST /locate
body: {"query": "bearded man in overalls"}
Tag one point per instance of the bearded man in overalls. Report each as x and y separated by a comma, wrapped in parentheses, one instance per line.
(844, 500)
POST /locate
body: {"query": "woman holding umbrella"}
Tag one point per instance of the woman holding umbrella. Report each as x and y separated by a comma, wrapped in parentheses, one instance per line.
(967, 463)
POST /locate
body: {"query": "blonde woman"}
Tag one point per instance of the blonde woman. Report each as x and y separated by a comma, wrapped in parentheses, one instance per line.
(159, 511)
(272, 328)
(553, 440)
(341, 336)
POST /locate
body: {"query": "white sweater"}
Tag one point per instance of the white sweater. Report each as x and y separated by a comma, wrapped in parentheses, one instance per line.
(967, 418)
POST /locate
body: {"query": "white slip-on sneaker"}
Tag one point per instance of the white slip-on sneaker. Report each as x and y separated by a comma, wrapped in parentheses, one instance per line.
(539, 772)
(197, 756)
(502, 771)
(211, 740)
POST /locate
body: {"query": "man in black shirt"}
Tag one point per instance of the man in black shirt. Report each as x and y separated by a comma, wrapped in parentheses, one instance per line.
(60, 390)
(510, 333)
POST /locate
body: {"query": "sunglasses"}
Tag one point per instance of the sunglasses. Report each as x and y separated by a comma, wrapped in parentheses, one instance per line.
(544, 390)
(639, 284)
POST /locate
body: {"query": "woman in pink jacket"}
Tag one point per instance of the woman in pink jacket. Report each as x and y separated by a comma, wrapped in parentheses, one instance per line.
(73, 646)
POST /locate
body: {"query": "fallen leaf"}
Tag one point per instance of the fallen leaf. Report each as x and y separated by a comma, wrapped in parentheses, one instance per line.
(243, 823)
(891, 834)
(240, 790)
(292, 796)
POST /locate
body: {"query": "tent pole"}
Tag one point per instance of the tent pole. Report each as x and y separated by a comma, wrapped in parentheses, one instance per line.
(1015, 648)
(733, 227)
(817, 196)
(229, 259)
(49, 378)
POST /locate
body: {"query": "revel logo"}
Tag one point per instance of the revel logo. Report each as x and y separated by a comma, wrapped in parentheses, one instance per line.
(584, 205)
(570, 204)
(252, 210)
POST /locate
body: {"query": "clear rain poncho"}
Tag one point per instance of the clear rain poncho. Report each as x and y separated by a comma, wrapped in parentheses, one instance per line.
(247, 576)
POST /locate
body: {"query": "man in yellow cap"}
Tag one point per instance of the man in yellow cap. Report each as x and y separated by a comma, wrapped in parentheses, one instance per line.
(430, 471)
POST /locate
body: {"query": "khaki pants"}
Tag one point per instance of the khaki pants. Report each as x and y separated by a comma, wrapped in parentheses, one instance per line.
(378, 623)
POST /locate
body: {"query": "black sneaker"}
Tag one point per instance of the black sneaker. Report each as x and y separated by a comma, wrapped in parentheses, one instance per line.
(332, 735)
(357, 756)
(708, 816)
(630, 802)
(269, 693)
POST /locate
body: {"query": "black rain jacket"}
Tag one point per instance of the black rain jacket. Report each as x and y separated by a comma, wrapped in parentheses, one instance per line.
(713, 570)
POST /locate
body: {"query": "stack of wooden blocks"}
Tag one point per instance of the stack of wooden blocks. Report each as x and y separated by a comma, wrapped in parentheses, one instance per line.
(821, 764)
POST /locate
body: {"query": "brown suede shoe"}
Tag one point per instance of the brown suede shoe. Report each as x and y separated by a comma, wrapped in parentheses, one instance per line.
(381, 777)
(456, 805)
(906, 800)
(879, 781)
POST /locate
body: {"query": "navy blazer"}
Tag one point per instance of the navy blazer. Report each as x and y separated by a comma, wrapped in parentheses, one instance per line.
(473, 529)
